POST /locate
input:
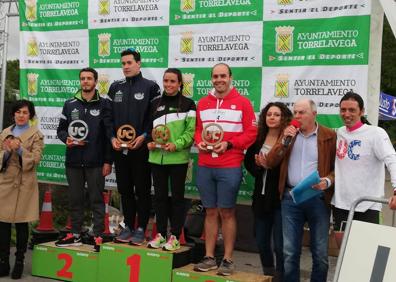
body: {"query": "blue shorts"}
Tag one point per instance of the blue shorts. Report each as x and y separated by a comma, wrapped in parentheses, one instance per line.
(218, 187)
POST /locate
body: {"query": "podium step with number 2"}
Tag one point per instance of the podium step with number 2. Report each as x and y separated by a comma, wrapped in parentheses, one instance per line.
(68, 264)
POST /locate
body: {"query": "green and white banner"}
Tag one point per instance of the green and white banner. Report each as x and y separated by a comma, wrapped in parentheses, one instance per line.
(279, 50)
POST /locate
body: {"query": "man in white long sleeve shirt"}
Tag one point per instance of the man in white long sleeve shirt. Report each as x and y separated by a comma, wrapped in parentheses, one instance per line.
(362, 151)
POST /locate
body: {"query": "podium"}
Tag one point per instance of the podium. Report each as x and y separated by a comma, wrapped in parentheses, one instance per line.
(68, 264)
(187, 274)
(122, 262)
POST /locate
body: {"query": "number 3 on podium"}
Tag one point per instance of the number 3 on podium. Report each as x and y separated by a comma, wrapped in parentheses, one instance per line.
(134, 263)
(64, 272)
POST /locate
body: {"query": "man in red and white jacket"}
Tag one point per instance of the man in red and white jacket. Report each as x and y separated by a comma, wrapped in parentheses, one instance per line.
(219, 168)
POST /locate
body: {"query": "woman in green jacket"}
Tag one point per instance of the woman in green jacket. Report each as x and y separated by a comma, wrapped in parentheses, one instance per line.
(173, 117)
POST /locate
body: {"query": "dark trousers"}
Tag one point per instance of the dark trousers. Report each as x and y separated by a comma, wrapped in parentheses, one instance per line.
(174, 211)
(268, 229)
(341, 215)
(22, 236)
(77, 177)
(134, 185)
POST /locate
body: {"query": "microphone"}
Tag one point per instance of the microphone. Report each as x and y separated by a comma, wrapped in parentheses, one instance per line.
(288, 139)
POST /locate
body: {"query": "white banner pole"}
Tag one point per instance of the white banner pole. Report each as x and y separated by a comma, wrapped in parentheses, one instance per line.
(389, 6)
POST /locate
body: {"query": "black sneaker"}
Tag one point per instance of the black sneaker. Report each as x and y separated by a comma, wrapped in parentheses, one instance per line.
(125, 236)
(206, 264)
(69, 240)
(97, 243)
(138, 237)
(227, 267)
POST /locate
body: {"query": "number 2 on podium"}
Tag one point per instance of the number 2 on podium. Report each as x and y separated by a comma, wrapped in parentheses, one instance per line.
(64, 272)
(134, 263)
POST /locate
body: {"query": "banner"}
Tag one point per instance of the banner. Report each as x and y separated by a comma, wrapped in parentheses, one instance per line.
(279, 50)
(387, 107)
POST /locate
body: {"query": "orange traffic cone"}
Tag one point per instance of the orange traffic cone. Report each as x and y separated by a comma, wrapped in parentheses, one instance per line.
(106, 198)
(46, 223)
(182, 239)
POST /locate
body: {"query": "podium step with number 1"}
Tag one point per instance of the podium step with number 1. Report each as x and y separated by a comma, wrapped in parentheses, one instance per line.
(121, 262)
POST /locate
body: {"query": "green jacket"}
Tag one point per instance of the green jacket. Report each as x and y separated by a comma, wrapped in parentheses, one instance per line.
(178, 114)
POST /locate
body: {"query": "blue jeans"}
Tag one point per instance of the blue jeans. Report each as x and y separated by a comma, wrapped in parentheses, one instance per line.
(266, 228)
(316, 213)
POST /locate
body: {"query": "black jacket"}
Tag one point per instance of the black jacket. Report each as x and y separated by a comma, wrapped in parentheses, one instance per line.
(97, 114)
(266, 203)
(131, 98)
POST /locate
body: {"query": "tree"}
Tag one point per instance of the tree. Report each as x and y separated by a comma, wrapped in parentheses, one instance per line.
(12, 81)
(388, 74)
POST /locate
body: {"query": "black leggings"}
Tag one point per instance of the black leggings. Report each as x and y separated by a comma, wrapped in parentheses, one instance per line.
(174, 208)
(22, 237)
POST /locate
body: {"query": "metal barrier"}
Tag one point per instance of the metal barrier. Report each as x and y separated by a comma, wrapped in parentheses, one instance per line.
(348, 229)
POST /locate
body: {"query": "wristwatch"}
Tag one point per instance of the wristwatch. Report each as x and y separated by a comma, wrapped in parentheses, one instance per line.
(229, 145)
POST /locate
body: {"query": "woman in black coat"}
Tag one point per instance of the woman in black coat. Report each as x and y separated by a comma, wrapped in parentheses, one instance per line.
(273, 118)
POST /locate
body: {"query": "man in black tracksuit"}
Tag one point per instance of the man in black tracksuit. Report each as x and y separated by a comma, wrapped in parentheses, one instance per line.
(87, 161)
(131, 98)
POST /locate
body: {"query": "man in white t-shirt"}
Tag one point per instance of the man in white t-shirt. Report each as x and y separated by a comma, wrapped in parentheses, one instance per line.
(362, 151)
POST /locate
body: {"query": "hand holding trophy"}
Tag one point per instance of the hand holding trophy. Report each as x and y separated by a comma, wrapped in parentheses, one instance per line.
(212, 134)
(126, 134)
(160, 135)
(78, 132)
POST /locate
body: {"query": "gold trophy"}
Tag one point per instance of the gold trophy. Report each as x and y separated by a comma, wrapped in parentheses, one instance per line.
(78, 131)
(212, 134)
(126, 134)
(160, 135)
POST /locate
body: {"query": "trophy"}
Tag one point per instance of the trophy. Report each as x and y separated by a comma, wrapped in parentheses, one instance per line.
(78, 131)
(212, 134)
(125, 135)
(161, 135)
